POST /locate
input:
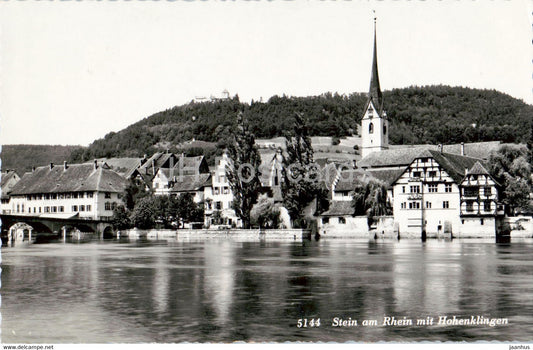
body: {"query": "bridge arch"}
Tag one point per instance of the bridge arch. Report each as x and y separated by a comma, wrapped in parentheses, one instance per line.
(108, 232)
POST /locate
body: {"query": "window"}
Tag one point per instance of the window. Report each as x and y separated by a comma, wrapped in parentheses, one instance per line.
(18, 208)
(74, 208)
(217, 190)
(88, 207)
(226, 189)
(54, 196)
(54, 209)
(342, 220)
(46, 209)
(39, 209)
(22, 208)
(432, 187)
(415, 189)
(403, 189)
(230, 205)
(47, 196)
(61, 209)
(423, 160)
(470, 206)
(34, 209)
(414, 205)
(113, 205)
(107, 206)
(482, 222)
(384, 130)
(417, 174)
(428, 205)
(432, 173)
(218, 205)
(107, 195)
(487, 206)
(68, 195)
(156, 185)
(447, 187)
(446, 204)
(75, 195)
(61, 196)
(89, 195)
(488, 191)
(222, 178)
(371, 128)
(82, 207)
(325, 220)
(403, 205)
(471, 191)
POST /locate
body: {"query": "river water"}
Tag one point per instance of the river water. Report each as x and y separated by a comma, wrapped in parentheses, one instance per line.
(224, 290)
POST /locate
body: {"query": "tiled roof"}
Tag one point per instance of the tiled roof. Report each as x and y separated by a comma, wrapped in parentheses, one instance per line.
(478, 169)
(6, 176)
(454, 164)
(404, 155)
(189, 183)
(387, 176)
(123, 166)
(191, 165)
(339, 208)
(77, 177)
(390, 158)
(350, 178)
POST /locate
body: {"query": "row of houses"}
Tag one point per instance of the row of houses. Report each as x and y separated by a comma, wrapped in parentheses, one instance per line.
(432, 189)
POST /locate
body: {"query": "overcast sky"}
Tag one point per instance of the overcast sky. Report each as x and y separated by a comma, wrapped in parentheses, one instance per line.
(73, 71)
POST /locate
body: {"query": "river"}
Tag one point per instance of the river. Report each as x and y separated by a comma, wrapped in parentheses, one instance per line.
(224, 290)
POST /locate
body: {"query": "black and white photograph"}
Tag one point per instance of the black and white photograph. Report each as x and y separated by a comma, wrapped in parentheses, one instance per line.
(302, 172)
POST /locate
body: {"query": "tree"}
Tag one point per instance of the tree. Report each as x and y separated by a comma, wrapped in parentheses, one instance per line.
(511, 169)
(370, 199)
(300, 176)
(134, 192)
(121, 219)
(243, 170)
(144, 215)
(264, 214)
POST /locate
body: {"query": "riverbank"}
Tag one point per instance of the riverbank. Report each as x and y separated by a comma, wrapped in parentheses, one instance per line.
(291, 234)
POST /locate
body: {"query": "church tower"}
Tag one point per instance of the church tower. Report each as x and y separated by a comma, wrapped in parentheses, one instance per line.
(374, 125)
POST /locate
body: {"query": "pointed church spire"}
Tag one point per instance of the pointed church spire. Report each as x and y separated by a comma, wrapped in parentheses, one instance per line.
(374, 93)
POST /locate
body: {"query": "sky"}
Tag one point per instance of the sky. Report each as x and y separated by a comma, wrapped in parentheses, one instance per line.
(73, 71)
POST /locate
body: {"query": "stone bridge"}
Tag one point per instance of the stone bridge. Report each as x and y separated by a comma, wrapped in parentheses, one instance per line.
(54, 226)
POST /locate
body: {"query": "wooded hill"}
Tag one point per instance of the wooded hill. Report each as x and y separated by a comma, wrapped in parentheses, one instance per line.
(430, 114)
(23, 157)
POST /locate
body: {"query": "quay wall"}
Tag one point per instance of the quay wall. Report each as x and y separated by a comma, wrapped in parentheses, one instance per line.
(290, 234)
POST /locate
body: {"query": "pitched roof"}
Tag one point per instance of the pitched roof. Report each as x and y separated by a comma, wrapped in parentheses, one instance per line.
(454, 164)
(390, 158)
(478, 169)
(349, 178)
(123, 166)
(76, 178)
(387, 176)
(404, 155)
(189, 183)
(374, 93)
(6, 176)
(339, 208)
(191, 165)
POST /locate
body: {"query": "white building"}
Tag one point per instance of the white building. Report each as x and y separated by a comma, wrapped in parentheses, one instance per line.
(439, 193)
(219, 198)
(89, 190)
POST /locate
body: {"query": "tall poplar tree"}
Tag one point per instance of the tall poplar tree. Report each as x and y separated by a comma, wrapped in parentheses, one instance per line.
(299, 185)
(243, 170)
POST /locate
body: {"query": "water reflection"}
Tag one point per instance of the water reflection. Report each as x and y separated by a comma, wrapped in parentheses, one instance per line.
(225, 290)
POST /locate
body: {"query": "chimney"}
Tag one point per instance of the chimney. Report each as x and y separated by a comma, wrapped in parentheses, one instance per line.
(440, 147)
(95, 164)
(462, 148)
(51, 166)
(65, 166)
